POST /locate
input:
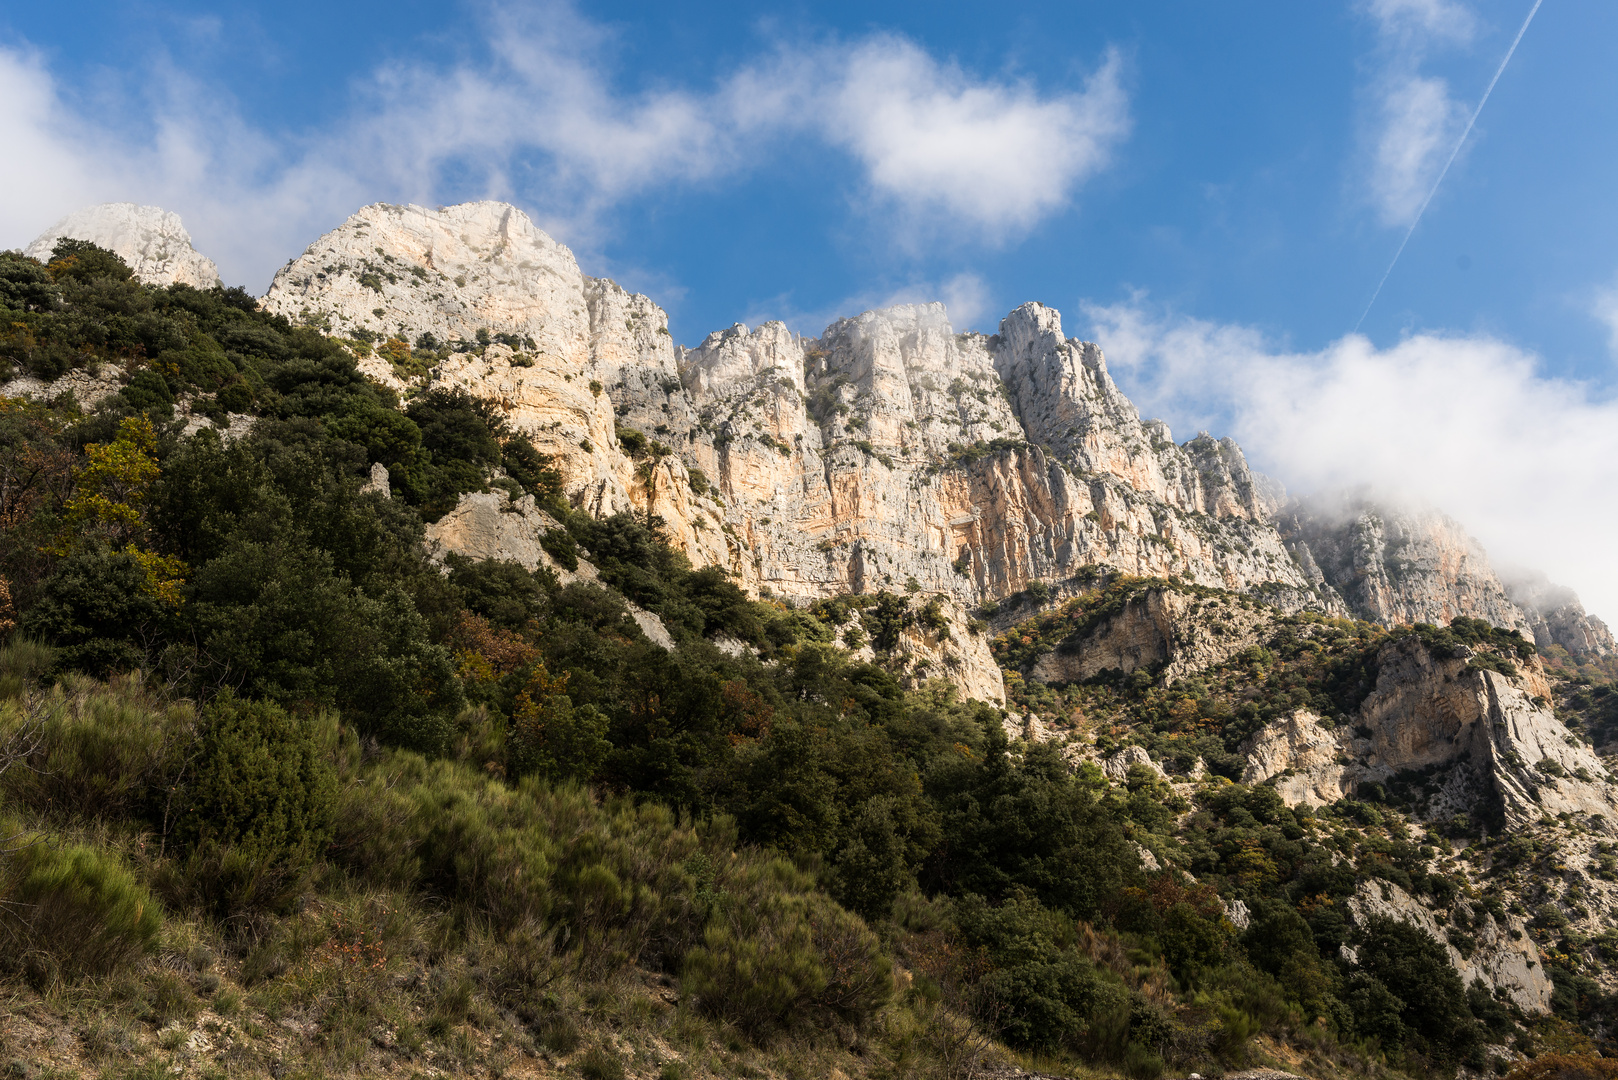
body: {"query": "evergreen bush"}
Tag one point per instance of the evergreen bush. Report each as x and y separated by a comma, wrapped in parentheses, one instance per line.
(259, 799)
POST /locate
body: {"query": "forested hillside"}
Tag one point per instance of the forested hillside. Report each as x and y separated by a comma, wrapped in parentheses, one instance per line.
(284, 796)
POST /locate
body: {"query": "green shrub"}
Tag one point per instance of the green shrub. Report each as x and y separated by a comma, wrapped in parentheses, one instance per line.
(1141, 1063)
(559, 545)
(558, 1033)
(259, 802)
(779, 954)
(103, 752)
(23, 661)
(76, 911)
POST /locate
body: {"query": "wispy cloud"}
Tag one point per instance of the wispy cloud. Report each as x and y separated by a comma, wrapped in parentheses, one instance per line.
(1464, 423)
(1413, 120)
(539, 114)
(1416, 23)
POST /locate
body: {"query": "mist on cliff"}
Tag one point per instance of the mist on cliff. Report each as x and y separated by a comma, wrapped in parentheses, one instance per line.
(1467, 424)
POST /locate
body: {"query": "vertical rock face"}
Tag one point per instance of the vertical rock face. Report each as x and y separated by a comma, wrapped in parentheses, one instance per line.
(1397, 565)
(891, 448)
(1556, 616)
(151, 240)
(1393, 565)
(1495, 738)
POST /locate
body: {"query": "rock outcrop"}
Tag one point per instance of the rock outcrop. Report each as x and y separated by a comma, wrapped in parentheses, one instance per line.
(485, 525)
(1556, 616)
(151, 240)
(1500, 955)
(1174, 632)
(890, 448)
(1486, 744)
(1396, 566)
(1302, 759)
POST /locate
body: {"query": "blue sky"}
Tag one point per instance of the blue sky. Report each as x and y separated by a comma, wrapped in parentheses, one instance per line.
(1211, 191)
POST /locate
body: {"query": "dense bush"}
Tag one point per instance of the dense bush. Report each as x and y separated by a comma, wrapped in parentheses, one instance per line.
(258, 798)
(777, 954)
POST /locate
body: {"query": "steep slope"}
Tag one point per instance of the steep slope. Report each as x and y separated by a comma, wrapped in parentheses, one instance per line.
(1398, 565)
(1401, 744)
(495, 306)
(1557, 617)
(151, 240)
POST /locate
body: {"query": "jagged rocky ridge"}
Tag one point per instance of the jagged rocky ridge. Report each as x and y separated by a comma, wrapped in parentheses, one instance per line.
(889, 450)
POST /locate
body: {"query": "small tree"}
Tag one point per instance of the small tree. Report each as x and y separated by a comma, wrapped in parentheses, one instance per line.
(108, 506)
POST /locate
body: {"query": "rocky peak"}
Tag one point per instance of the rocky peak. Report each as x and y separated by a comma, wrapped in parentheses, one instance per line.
(150, 239)
(407, 270)
(727, 358)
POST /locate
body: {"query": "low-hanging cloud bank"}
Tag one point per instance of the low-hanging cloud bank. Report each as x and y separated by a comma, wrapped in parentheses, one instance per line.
(537, 115)
(1529, 464)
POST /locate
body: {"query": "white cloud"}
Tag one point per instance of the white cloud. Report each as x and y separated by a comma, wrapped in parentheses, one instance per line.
(46, 175)
(1412, 122)
(539, 118)
(997, 156)
(1466, 424)
(1419, 123)
(1420, 21)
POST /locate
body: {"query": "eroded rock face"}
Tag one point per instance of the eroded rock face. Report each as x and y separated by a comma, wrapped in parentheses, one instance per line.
(1304, 759)
(1397, 566)
(891, 449)
(1429, 710)
(1505, 958)
(484, 525)
(1182, 632)
(1491, 741)
(556, 339)
(151, 240)
(1556, 616)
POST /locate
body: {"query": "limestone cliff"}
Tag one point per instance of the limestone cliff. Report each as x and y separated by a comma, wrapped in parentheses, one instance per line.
(1396, 565)
(1500, 955)
(889, 448)
(1173, 632)
(888, 453)
(1400, 565)
(1556, 616)
(151, 240)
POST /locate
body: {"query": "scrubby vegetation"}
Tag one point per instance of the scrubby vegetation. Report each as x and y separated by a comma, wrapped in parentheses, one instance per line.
(284, 797)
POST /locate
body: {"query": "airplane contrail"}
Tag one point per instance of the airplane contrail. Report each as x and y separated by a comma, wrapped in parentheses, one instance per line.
(1452, 156)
